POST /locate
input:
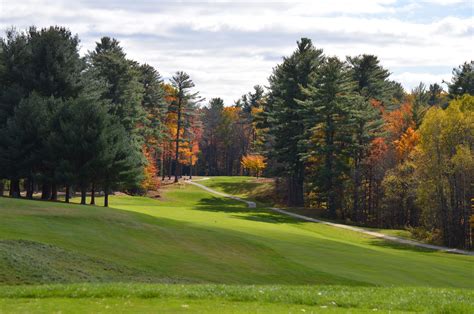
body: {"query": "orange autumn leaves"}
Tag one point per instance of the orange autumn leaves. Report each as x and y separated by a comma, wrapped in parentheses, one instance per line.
(150, 182)
(406, 144)
(401, 134)
(254, 164)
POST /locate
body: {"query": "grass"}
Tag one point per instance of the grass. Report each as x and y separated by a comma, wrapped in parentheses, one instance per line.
(237, 299)
(191, 240)
(261, 191)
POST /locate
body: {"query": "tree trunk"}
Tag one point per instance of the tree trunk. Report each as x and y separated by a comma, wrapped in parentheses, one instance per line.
(170, 167)
(83, 195)
(356, 206)
(15, 188)
(67, 193)
(162, 163)
(29, 185)
(54, 192)
(45, 191)
(178, 129)
(295, 191)
(2, 187)
(106, 197)
(93, 194)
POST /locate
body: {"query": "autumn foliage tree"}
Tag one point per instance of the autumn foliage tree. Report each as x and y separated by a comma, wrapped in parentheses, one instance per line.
(150, 181)
(254, 164)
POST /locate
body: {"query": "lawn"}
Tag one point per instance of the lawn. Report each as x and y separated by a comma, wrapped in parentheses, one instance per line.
(261, 190)
(198, 239)
(208, 298)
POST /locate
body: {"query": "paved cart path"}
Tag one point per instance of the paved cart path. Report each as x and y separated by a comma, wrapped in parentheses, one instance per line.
(251, 204)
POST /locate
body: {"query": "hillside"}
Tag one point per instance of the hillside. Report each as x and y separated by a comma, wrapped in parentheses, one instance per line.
(191, 236)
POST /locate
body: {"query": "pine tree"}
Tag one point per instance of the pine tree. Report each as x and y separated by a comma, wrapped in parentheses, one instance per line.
(328, 111)
(124, 92)
(371, 87)
(285, 117)
(463, 80)
(45, 62)
(371, 79)
(183, 106)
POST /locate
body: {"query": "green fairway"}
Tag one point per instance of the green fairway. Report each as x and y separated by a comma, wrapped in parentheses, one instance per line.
(191, 236)
(259, 190)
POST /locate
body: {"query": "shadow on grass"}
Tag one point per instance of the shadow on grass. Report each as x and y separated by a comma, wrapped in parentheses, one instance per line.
(237, 188)
(400, 246)
(241, 211)
(269, 218)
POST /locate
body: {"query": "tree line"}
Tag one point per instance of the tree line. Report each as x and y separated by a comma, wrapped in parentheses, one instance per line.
(351, 142)
(339, 135)
(91, 124)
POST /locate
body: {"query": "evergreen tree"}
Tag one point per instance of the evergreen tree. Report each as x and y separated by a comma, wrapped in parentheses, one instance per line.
(435, 94)
(420, 103)
(183, 106)
(328, 111)
(284, 115)
(54, 67)
(14, 56)
(45, 62)
(371, 78)
(153, 102)
(124, 92)
(463, 80)
(371, 85)
(212, 118)
(13, 61)
(22, 140)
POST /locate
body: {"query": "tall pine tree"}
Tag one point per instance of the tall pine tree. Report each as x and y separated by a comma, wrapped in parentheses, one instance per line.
(284, 115)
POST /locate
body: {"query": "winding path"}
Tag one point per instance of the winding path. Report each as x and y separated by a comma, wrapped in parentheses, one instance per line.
(356, 229)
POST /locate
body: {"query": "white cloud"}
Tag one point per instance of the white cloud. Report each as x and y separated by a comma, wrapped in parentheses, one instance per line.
(228, 47)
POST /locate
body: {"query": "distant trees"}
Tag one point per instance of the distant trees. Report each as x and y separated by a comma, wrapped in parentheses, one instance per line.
(76, 123)
(339, 134)
(445, 168)
(463, 80)
(229, 133)
(40, 67)
(285, 115)
(254, 164)
(350, 141)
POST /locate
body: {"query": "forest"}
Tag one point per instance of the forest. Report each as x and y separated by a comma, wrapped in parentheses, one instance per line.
(338, 135)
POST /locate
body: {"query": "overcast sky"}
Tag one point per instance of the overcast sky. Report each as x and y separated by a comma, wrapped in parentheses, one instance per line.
(229, 46)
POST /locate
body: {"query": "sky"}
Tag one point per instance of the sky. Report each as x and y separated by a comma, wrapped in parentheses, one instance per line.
(227, 47)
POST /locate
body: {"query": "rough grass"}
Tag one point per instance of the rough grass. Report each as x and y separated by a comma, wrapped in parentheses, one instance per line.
(240, 299)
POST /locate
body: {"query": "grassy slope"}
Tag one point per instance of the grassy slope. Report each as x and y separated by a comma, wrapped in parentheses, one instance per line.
(261, 189)
(192, 236)
(246, 187)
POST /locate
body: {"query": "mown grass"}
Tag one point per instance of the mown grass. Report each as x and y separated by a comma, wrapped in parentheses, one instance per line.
(193, 236)
(240, 299)
(262, 191)
(176, 249)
